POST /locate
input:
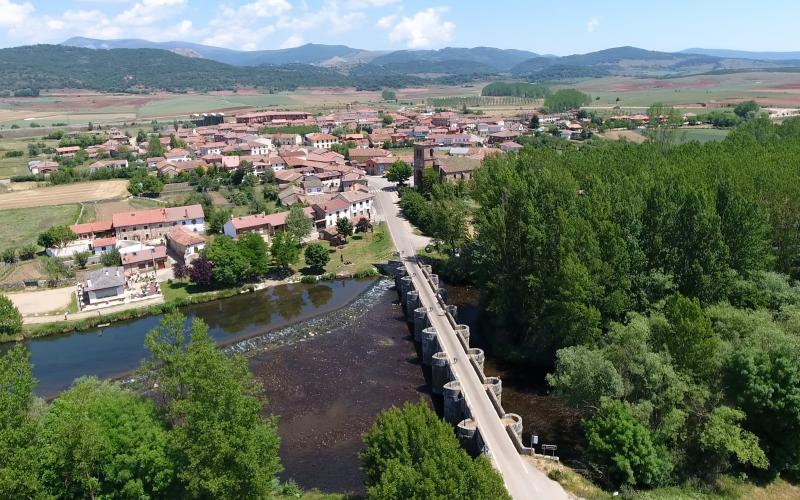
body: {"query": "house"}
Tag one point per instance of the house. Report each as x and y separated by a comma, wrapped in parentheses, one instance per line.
(104, 285)
(111, 164)
(312, 184)
(503, 136)
(150, 258)
(265, 225)
(92, 230)
(185, 244)
(362, 155)
(321, 141)
(379, 166)
(153, 161)
(173, 168)
(67, 151)
(272, 116)
(42, 167)
(154, 224)
(510, 147)
(177, 155)
(348, 204)
(211, 148)
(103, 245)
(452, 168)
(258, 147)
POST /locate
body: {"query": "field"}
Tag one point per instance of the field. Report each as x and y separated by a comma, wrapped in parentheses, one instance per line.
(361, 251)
(69, 193)
(702, 91)
(683, 135)
(104, 210)
(19, 227)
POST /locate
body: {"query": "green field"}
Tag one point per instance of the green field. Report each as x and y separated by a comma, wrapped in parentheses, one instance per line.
(19, 227)
(362, 250)
(17, 165)
(702, 134)
(185, 105)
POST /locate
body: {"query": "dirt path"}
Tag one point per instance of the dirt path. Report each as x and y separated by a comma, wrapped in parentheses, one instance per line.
(66, 194)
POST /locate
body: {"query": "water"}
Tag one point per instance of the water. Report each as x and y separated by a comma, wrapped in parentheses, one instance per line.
(118, 349)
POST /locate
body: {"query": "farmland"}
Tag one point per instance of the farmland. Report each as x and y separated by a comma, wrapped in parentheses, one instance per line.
(19, 227)
(65, 194)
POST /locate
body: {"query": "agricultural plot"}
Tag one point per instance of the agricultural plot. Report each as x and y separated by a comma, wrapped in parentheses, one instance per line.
(65, 194)
(483, 102)
(19, 227)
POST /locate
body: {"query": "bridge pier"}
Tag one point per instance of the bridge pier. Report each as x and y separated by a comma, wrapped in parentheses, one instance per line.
(453, 311)
(514, 423)
(430, 345)
(406, 285)
(440, 372)
(453, 402)
(477, 356)
(420, 322)
(412, 302)
(495, 386)
(463, 332)
(468, 435)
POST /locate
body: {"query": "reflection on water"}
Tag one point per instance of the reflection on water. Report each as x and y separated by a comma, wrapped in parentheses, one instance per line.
(119, 348)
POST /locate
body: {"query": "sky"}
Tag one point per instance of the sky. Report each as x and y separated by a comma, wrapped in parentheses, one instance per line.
(558, 27)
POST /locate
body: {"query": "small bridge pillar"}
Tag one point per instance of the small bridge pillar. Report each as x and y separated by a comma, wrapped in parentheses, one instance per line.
(420, 322)
(477, 356)
(495, 385)
(440, 372)
(412, 302)
(430, 345)
(453, 402)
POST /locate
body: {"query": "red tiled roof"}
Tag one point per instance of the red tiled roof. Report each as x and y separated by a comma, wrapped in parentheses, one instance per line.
(156, 215)
(100, 226)
(155, 253)
(104, 242)
(184, 237)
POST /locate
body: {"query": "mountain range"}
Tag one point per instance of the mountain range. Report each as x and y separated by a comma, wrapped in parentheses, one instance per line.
(133, 65)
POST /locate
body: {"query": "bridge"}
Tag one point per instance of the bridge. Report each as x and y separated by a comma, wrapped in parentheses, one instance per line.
(472, 401)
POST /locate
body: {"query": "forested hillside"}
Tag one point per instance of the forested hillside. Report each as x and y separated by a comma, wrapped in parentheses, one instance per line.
(658, 285)
(123, 70)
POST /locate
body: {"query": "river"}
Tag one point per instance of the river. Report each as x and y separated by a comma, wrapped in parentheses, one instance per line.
(330, 356)
(118, 349)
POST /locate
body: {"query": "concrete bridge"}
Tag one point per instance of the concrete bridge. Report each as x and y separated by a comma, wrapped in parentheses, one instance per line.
(472, 401)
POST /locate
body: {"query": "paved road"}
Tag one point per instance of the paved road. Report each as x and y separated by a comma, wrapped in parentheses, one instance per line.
(522, 480)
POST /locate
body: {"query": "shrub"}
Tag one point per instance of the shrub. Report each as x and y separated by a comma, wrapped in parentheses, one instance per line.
(9, 255)
(308, 279)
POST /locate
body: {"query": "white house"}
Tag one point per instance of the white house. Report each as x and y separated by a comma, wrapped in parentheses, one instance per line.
(321, 141)
(104, 284)
(351, 205)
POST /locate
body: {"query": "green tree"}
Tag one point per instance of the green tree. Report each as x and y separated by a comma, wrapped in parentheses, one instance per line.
(285, 250)
(9, 255)
(687, 336)
(411, 453)
(399, 172)
(56, 237)
(298, 224)
(223, 446)
(82, 258)
(430, 178)
(317, 255)
(18, 455)
(661, 125)
(625, 447)
(154, 147)
(747, 109)
(722, 438)
(217, 219)
(111, 258)
(28, 251)
(566, 100)
(253, 247)
(230, 266)
(98, 440)
(389, 95)
(745, 230)
(145, 185)
(583, 376)
(344, 227)
(449, 220)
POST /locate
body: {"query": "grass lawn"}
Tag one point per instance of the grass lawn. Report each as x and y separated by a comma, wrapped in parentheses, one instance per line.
(361, 251)
(702, 134)
(19, 227)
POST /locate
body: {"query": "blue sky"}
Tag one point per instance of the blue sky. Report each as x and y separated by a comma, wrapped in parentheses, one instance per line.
(554, 26)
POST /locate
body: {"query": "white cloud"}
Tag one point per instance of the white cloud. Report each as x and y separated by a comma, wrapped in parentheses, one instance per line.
(265, 8)
(330, 17)
(386, 22)
(147, 12)
(293, 41)
(592, 24)
(366, 4)
(13, 14)
(426, 28)
(184, 27)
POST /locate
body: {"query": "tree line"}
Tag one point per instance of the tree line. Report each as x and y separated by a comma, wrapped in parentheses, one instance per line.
(516, 89)
(658, 283)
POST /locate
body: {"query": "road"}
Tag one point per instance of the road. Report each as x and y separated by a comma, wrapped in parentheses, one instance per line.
(522, 480)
